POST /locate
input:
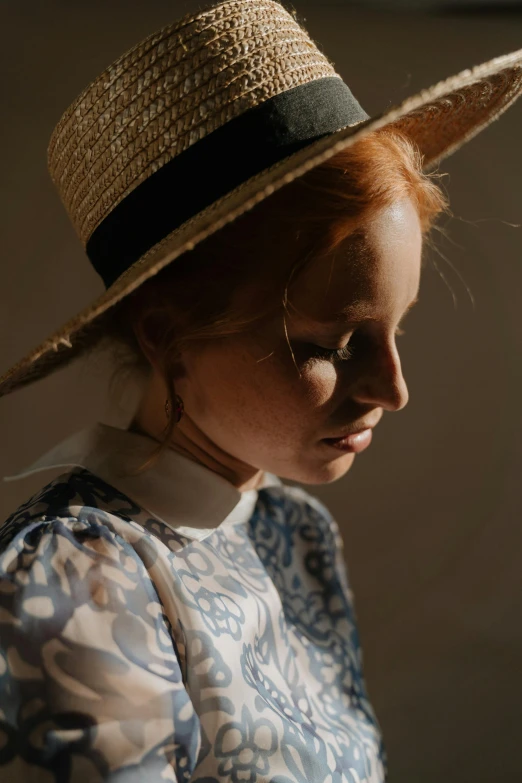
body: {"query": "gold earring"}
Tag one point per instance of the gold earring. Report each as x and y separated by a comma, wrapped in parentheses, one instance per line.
(179, 409)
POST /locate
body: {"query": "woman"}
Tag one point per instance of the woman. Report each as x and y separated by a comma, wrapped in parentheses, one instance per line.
(170, 608)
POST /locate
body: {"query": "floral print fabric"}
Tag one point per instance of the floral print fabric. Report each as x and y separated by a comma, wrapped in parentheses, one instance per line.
(130, 653)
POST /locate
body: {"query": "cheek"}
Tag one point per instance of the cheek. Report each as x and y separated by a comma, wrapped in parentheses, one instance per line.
(225, 385)
(319, 382)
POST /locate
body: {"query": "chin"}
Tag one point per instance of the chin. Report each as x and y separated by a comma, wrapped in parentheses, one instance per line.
(324, 472)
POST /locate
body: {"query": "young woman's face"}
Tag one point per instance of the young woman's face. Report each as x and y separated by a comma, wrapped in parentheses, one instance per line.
(243, 395)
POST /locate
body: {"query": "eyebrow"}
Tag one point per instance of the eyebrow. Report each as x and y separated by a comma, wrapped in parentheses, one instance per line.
(358, 311)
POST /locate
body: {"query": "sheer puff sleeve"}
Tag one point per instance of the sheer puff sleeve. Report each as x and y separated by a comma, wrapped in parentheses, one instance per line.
(91, 687)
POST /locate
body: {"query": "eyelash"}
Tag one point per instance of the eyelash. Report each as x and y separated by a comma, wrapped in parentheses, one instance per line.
(339, 354)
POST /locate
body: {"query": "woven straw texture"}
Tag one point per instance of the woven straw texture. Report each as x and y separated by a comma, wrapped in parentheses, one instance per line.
(167, 93)
(192, 77)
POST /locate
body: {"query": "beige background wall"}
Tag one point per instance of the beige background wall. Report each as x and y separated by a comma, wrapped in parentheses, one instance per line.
(431, 512)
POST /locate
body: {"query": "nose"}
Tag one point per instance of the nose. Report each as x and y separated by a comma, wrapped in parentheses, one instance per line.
(382, 382)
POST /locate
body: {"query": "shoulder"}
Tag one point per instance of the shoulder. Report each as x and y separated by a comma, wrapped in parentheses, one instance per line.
(301, 509)
(62, 543)
(298, 518)
(78, 532)
(82, 625)
(310, 502)
(77, 522)
(299, 521)
(64, 555)
(74, 503)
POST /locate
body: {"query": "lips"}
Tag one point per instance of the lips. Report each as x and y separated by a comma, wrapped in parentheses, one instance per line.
(349, 433)
(355, 442)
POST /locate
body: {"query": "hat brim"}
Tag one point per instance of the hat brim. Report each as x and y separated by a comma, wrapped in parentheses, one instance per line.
(440, 119)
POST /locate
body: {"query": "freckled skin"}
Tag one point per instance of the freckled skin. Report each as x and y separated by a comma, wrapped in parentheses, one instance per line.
(249, 409)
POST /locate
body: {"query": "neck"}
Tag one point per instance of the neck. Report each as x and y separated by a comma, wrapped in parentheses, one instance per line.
(243, 477)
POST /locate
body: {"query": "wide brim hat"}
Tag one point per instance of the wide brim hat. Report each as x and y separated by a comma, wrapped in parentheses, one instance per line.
(204, 119)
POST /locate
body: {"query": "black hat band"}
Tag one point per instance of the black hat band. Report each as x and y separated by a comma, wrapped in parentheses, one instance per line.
(215, 165)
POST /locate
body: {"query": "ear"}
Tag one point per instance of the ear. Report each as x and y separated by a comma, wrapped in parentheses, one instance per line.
(149, 331)
(144, 332)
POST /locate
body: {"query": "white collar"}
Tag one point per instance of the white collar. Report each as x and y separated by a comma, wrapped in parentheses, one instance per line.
(181, 493)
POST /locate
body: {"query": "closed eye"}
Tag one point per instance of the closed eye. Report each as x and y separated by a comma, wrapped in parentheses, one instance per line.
(331, 355)
(338, 354)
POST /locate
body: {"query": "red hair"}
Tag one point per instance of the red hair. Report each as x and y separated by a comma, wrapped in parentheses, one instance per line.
(236, 277)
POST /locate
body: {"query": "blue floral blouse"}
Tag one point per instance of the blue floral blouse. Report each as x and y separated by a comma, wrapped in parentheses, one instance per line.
(134, 651)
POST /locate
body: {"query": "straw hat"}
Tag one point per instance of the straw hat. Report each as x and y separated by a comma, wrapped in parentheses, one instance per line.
(207, 117)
